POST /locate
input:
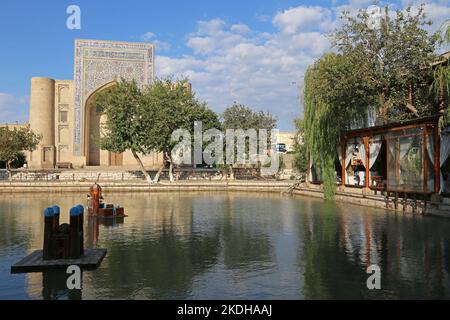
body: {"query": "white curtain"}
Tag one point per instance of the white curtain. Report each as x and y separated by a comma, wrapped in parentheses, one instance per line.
(362, 174)
(348, 154)
(362, 151)
(348, 159)
(445, 153)
(374, 151)
(310, 178)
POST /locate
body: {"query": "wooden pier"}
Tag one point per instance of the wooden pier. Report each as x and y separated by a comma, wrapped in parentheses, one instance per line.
(35, 262)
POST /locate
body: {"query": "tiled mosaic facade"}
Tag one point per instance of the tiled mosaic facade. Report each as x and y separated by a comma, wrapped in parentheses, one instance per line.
(98, 63)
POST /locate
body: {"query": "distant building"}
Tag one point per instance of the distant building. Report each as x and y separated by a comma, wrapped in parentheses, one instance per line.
(64, 113)
(288, 139)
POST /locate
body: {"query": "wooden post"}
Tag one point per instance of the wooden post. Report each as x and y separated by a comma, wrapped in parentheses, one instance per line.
(344, 155)
(74, 233)
(48, 253)
(396, 200)
(437, 160)
(387, 165)
(425, 159)
(397, 163)
(56, 214)
(367, 164)
(81, 229)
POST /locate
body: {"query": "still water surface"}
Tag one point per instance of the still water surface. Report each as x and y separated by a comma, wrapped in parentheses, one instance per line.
(233, 246)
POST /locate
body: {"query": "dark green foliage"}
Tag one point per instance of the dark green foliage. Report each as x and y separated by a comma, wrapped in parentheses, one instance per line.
(395, 60)
(300, 149)
(386, 70)
(14, 142)
(239, 116)
(143, 121)
(335, 98)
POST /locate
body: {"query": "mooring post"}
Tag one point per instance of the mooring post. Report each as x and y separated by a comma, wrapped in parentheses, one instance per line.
(396, 201)
(48, 234)
(74, 233)
(405, 202)
(81, 228)
(56, 215)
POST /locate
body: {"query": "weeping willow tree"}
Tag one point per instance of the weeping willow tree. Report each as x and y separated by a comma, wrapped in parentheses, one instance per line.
(440, 86)
(337, 97)
(384, 67)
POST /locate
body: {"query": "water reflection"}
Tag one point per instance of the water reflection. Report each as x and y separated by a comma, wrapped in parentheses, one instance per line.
(54, 286)
(234, 245)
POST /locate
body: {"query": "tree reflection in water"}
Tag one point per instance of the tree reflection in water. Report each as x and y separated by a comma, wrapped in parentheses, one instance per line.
(234, 245)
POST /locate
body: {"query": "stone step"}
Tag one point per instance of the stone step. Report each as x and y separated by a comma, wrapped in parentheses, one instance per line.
(437, 212)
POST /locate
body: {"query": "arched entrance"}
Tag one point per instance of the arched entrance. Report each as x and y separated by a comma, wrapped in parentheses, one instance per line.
(93, 124)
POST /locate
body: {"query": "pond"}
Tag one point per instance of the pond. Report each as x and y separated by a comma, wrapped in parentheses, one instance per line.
(214, 245)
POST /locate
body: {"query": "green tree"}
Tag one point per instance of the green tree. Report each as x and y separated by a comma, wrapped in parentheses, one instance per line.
(440, 86)
(14, 142)
(124, 128)
(337, 97)
(239, 116)
(143, 121)
(172, 106)
(395, 59)
(300, 149)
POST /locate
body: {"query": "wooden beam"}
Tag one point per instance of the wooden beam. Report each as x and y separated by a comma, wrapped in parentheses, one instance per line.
(344, 155)
(437, 160)
(367, 164)
(425, 159)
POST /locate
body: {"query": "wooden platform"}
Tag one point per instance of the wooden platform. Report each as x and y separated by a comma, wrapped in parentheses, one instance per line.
(35, 263)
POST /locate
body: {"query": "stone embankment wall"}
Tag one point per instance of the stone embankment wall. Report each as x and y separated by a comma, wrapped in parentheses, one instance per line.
(141, 186)
(362, 197)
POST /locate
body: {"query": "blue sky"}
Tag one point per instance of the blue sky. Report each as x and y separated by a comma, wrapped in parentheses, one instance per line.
(254, 51)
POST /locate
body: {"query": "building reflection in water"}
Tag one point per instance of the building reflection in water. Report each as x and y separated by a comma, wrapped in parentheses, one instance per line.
(239, 245)
(412, 252)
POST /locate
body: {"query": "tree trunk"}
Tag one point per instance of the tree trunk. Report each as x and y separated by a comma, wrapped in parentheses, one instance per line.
(441, 98)
(156, 179)
(169, 159)
(141, 165)
(409, 104)
(8, 169)
(231, 172)
(171, 177)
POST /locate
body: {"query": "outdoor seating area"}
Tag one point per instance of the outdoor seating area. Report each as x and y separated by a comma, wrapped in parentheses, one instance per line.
(411, 157)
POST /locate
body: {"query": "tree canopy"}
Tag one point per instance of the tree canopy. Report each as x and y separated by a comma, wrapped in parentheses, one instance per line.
(380, 73)
(239, 116)
(142, 120)
(14, 141)
(173, 106)
(395, 58)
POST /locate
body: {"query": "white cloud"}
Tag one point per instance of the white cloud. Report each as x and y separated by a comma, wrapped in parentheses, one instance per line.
(148, 36)
(13, 108)
(234, 63)
(300, 19)
(240, 28)
(159, 45)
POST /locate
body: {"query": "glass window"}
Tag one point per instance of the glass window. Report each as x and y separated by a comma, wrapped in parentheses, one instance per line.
(406, 160)
(430, 158)
(63, 116)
